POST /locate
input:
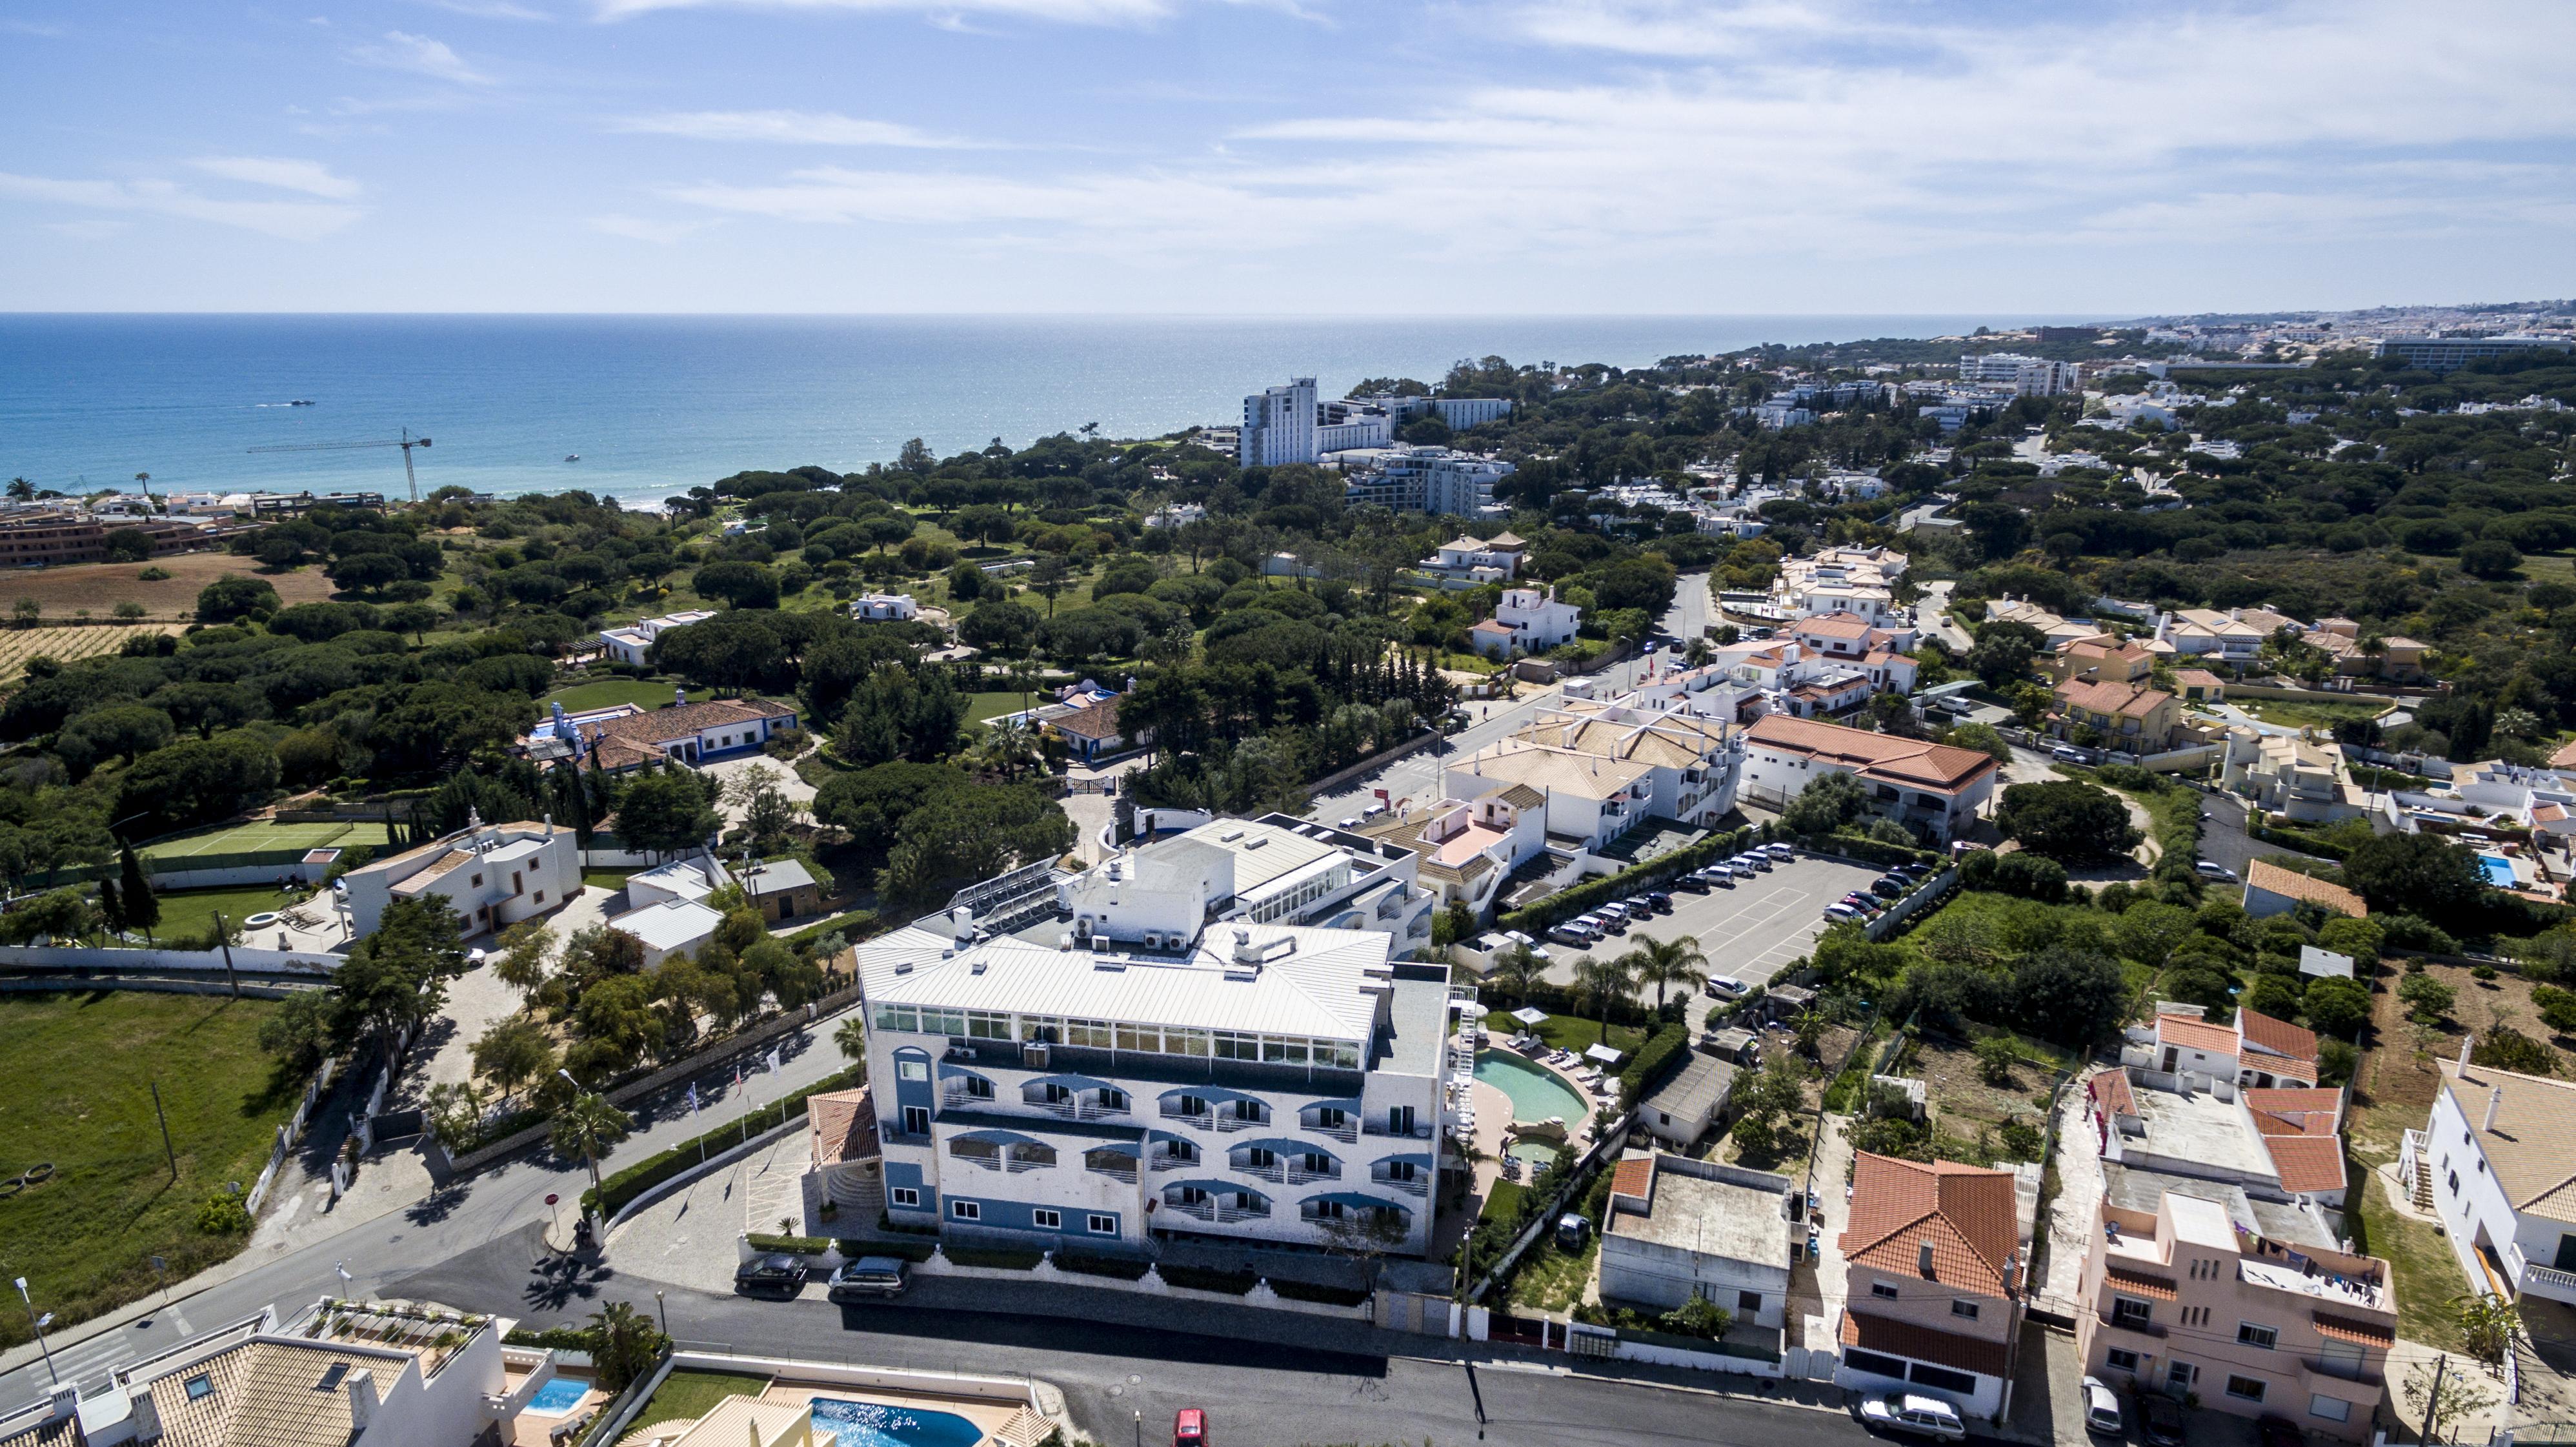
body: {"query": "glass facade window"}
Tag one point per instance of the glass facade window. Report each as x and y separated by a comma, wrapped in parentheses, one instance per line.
(1185, 1042)
(1093, 1033)
(1046, 1029)
(1232, 1045)
(943, 1022)
(898, 1017)
(987, 1025)
(1140, 1037)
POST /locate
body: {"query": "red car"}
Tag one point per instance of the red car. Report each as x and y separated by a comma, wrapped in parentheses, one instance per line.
(1189, 1429)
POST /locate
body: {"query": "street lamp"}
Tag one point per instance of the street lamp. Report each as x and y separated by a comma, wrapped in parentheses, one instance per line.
(660, 1311)
(38, 1322)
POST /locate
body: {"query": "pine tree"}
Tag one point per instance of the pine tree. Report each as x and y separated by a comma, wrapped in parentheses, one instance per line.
(111, 910)
(142, 908)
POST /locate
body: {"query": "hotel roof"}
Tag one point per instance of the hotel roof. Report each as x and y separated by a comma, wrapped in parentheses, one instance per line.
(1313, 982)
(1556, 770)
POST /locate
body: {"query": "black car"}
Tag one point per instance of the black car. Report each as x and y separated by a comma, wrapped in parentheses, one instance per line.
(1690, 884)
(776, 1272)
(1888, 888)
(1660, 902)
(2159, 1420)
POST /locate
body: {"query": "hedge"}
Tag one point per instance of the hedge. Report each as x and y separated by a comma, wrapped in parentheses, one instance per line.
(999, 1258)
(1309, 1291)
(793, 1245)
(905, 1250)
(854, 926)
(1125, 1268)
(2303, 843)
(1648, 1069)
(1567, 903)
(1867, 850)
(1200, 1278)
(612, 1194)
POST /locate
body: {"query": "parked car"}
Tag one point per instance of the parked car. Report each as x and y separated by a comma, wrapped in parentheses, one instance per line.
(1719, 874)
(2101, 1409)
(777, 1271)
(869, 1276)
(1888, 888)
(1758, 858)
(1725, 987)
(2066, 755)
(1189, 1428)
(2212, 869)
(2159, 1420)
(1570, 937)
(1918, 1415)
(1840, 910)
(1782, 852)
(1660, 902)
(1352, 822)
(1690, 884)
(1570, 1230)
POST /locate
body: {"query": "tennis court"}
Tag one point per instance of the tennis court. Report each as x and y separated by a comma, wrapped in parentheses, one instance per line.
(262, 838)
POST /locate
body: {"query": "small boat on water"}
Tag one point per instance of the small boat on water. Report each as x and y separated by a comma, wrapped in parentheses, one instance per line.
(301, 402)
(572, 457)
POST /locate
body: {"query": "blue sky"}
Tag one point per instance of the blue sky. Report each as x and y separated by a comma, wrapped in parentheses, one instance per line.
(1283, 156)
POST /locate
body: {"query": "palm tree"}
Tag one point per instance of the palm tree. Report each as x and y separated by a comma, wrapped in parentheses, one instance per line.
(1603, 981)
(852, 1037)
(1517, 970)
(1003, 751)
(1663, 963)
(585, 1126)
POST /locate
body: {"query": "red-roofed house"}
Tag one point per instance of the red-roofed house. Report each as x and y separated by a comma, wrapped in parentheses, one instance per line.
(2254, 1052)
(2126, 716)
(1934, 1280)
(1093, 732)
(1934, 786)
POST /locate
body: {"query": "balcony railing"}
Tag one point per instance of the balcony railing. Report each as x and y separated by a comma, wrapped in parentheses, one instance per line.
(1416, 1185)
(2548, 1281)
(1347, 1131)
(1194, 1119)
(1299, 1175)
(1203, 1210)
(1123, 1169)
(1421, 1130)
(1229, 1123)
(991, 1163)
(1166, 1161)
(1274, 1171)
(954, 1095)
(1257, 1212)
(2341, 1371)
(2132, 1324)
(1018, 1162)
(1075, 1107)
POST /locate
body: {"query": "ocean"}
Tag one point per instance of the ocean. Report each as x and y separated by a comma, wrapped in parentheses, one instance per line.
(652, 405)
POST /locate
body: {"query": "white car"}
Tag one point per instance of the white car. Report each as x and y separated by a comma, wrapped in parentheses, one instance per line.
(1725, 987)
(1922, 1416)
(2211, 869)
(1840, 910)
(2101, 1409)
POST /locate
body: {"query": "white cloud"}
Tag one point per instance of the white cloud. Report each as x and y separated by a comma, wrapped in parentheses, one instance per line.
(636, 228)
(419, 54)
(804, 128)
(286, 173)
(1067, 12)
(292, 220)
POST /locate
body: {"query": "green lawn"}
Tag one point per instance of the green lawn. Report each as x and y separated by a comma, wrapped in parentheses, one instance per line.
(192, 911)
(244, 838)
(994, 705)
(606, 881)
(2304, 713)
(608, 693)
(76, 1072)
(686, 1396)
(2428, 1276)
(1568, 1032)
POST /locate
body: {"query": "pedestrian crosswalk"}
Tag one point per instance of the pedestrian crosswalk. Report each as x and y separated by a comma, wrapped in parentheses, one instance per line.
(90, 1362)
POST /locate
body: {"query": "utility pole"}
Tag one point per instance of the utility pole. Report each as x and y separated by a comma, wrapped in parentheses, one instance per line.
(224, 937)
(160, 1116)
(38, 1322)
(2433, 1404)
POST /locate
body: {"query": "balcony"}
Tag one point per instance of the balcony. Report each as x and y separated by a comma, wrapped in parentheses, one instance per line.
(1257, 1211)
(1194, 1119)
(1029, 1158)
(957, 1095)
(1203, 1210)
(1300, 1174)
(1167, 1161)
(1271, 1171)
(1420, 1132)
(1074, 1107)
(2341, 1371)
(1348, 1131)
(1228, 1123)
(989, 1158)
(1116, 1168)
(1415, 1185)
(2544, 1281)
(2131, 1324)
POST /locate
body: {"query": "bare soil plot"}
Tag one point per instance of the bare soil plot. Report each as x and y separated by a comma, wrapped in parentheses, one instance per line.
(99, 587)
(67, 644)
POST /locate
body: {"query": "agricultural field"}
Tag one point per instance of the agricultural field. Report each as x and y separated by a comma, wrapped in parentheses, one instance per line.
(76, 1078)
(67, 644)
(99, 587)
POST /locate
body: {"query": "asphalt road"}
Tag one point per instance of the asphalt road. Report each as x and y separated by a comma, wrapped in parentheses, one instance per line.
(1255, 1393)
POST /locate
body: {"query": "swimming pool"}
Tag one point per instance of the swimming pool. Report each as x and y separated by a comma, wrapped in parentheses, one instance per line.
(558, 1396)
(869, 1424)
(1536, 1092)
(2499, 870)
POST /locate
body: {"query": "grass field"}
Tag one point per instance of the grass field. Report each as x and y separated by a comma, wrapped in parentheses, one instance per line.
(1569, 1032)
(243, 838)
(68, 643)
(994, 705)
(99, 587)
(609, 692)
(685, 1396)
(192, 911)
(75, 1089)
(2302, 713)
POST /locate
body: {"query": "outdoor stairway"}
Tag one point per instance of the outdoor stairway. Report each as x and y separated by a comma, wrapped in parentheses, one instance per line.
(2423, 1198)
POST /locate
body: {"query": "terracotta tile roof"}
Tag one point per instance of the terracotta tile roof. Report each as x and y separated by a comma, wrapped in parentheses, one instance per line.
(1906, 761)
(2296, 1112)
(844, 1126)
(1634, 1178)
(2264, 875)
(2280, 1037)
(2139, 1283)
(2203, 678)
(2124, 700)
(1924, 1344)
(2532, 1149)
(1522, 796)
(1100, 721)
(2193, 1033)
(2564, 758)
(1835, 625)
(2111, 1092)
(2352, 1329)
(1967, 1214)
(2308, 1164)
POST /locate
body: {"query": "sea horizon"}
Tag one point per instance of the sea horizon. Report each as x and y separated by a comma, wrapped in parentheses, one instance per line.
(652, 404)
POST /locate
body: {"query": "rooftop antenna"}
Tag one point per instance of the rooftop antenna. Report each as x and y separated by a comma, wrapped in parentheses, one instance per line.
(406, 442)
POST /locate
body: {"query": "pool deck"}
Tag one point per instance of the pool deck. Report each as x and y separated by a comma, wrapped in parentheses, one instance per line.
(988, 1415)
(533, 1429)
(1493, 1126)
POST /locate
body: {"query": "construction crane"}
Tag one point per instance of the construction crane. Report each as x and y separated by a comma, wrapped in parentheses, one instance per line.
(406, 442)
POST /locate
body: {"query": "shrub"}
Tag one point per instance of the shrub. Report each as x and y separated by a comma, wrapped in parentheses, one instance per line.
(999, 1258)
(2557, 1007)
(793, 1245)
(2506, 1048)
(2426, 998)
(906, 1250)
(1125, 1268)
(223, 1214)
(1647, 1070)
(1200, 1278)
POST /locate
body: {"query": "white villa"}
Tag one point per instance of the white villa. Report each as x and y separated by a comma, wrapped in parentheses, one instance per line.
(634, 644)
(493, 875)
(884, 608)
(2497, 1162)
(1527, 620)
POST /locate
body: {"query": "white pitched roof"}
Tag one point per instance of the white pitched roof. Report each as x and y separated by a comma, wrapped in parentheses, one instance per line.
(1313, 982)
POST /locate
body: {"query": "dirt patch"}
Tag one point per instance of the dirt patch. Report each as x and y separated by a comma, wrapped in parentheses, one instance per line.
(1959, 1098)
(99, 587)
(2400, 1070)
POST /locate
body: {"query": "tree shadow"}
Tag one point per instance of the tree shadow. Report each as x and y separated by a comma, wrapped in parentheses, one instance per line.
(437, 1206)
(557, 1281)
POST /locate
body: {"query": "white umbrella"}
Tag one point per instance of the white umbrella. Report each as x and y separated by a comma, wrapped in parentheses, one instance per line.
(1604, 1054)
(1530, 1015)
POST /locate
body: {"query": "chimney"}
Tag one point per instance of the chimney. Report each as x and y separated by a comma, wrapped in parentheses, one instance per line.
(1244, 951)
(1923, 1258)
(2495, 1099)
(147, 1417)
(2465, 1042)
(362, 1403)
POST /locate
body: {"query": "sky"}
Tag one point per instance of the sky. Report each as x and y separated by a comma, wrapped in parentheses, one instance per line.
(1323, 157)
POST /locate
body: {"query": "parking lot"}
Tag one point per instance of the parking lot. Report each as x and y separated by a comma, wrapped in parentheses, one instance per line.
(1751, 931)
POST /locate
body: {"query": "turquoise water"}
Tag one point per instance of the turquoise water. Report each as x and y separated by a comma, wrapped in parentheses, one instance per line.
(2499, 870)
(654, 405)
(557, 1397)
(1537, 1155)
(867, 1424)
(1535, 1092)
